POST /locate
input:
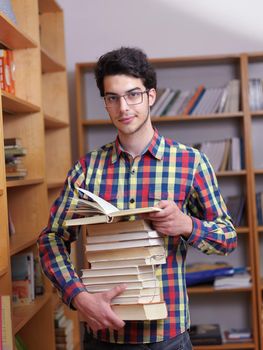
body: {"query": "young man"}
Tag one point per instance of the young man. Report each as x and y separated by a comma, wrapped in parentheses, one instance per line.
(140, 168)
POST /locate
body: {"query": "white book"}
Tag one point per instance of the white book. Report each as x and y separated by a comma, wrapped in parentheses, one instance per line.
(126, 244)
(118, 278)
(108, 264)
(122, 237)
(100, 287)
(105, 211)
(136, 299)
(123, 270)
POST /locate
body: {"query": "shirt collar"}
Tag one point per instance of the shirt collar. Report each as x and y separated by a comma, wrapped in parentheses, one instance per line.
(155, 147)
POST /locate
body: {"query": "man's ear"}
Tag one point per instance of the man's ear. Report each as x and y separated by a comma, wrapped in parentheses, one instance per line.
(152, 96)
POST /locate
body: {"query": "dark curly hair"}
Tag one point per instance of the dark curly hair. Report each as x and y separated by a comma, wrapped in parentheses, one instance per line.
(128, 61)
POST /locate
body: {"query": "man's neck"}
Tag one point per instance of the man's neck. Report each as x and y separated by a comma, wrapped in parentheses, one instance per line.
(136, 143)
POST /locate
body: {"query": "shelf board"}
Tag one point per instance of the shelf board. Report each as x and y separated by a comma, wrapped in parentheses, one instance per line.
(260, 228)
(24, 182)
(3, 271)
(54, 123)
(231, 173)
(12, 37)
(167, 119)
(55, 184)
(19, 242)
(23, 314)
(13, 105)
(226, 346)
(258, 171)
(207, 289)
(49, 64)
(257, 113)
(242, 230)
(48, 6)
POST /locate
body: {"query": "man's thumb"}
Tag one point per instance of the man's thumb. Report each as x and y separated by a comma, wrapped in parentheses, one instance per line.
(112, 293)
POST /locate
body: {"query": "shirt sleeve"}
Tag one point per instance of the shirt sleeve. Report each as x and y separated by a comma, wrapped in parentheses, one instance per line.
(54, 241)
(213, 230)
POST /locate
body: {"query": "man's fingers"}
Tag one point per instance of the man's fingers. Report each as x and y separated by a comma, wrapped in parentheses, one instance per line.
(112, 293)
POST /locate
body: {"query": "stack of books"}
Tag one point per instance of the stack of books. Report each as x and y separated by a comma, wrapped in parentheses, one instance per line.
(123, 252)
(14, 151)
(126, 252)
(7, 69)
(63, 330)
(205, 334)
(238, 335)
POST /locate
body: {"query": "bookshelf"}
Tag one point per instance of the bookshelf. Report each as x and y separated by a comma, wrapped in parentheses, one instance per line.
(239, 307)
(38, 114)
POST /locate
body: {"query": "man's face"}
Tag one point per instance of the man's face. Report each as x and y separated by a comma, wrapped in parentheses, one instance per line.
(128, 118)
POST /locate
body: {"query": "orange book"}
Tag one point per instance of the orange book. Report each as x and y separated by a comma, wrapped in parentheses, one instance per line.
(193, 100)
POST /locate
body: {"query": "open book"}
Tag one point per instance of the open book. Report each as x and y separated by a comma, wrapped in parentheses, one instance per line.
(98, 210)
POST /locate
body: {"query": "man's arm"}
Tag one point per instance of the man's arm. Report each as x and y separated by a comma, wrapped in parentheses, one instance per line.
(206, 225)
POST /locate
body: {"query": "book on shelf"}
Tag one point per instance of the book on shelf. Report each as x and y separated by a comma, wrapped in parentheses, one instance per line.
(236, 208)
(240, 279)
(205, 334)
(63, 329)
(99, 210)
(19, 343)
(200, 273)
(6, 336)
(7, 71)
(23, 278)
(11, 142)
(193, 100)
(238, 335)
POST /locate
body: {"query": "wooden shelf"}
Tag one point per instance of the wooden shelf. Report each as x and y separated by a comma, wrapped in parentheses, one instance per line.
(258, 171)
(12, 37)
(24, 182)
(19, 242)
(22, 314)
(231, 173)
(54, 123)
(55, 184)
(48, 6)
(13, 104)
(206, 289)
(49, 64)
(1, 192)
(242, 230)
(260, 228)
(226, 346)
(98, 122)
(257, 114)
(3, 271)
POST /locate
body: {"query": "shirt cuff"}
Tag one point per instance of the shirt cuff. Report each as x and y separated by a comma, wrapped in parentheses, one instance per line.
(70, 290)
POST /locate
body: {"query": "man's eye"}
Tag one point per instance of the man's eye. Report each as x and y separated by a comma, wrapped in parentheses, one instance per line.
(112, 98)
(134, 94)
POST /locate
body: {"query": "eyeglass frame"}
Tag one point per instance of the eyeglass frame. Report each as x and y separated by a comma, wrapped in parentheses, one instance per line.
(124, 96)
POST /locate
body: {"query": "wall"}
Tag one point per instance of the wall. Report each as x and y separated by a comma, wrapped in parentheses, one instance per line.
(162, 28)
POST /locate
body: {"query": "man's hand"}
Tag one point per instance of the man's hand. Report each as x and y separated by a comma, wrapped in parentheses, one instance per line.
(95, 309)
(171, 220)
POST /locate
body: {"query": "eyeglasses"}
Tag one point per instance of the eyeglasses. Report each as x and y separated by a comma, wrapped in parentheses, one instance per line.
(131, 98)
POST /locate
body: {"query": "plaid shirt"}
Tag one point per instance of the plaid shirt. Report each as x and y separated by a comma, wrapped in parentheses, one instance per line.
(166, 170)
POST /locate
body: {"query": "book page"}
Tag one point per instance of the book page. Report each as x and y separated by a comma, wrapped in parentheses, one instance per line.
(106, 207)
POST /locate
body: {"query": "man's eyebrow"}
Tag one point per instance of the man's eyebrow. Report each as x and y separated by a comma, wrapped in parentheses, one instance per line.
(114, 93)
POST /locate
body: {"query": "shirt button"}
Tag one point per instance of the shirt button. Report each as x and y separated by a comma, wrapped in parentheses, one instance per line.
(132, 200)
(132, 171)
